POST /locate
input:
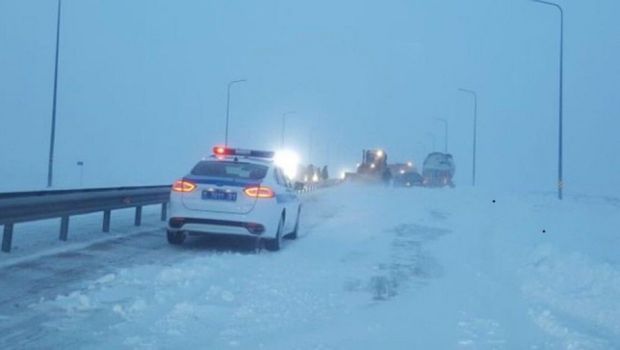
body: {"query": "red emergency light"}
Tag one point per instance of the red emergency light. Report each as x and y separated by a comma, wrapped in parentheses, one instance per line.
(220, 151)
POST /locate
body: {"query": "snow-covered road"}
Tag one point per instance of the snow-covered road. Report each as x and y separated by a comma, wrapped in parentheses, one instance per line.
(373, 268)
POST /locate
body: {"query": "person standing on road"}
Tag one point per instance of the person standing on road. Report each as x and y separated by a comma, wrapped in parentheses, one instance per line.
(386, 176)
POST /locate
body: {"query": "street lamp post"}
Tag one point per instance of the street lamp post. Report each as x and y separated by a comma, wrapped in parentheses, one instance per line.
(445, 133)
(230, 84)
(310, 145)
(561, 92)
(284, 127)
(473, 171)
(50, 167)
(421, 148)
(434, 140)
(81, 165)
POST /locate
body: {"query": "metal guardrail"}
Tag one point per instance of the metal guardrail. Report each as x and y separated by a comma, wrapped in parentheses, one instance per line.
(312, 186)
(19, 207)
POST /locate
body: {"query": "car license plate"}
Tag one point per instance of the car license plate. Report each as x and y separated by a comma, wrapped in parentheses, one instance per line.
(219, 195)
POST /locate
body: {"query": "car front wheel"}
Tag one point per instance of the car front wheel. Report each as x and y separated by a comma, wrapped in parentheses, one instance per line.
(293, 235)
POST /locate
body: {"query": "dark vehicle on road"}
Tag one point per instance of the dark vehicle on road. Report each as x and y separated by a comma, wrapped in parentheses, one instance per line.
(408, 179)
(405, 175)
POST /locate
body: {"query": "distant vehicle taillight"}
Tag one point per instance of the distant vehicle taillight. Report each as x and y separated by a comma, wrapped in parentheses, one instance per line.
(259, 192)
(183, 186)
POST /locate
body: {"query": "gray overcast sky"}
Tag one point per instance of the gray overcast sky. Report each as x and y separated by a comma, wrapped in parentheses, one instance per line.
(142, 87)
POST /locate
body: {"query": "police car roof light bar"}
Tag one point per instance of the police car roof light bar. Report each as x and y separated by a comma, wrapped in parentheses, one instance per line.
(225, 151)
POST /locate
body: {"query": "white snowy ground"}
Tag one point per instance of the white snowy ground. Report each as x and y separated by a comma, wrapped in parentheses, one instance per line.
(373, 268)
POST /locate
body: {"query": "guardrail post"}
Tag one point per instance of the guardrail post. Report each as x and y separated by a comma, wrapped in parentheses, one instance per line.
(7, 238)
(138, 220)
(106, 220)
(64, 228)
(164, 211)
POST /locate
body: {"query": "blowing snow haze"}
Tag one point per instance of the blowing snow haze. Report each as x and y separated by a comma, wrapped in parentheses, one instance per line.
(142, 87)
(245, 115)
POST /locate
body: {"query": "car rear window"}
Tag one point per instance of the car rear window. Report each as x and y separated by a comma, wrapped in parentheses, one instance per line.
(231, 170)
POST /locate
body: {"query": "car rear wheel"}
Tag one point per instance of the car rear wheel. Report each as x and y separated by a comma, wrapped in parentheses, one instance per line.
(275, 244)
(293, 235)
(175, 237)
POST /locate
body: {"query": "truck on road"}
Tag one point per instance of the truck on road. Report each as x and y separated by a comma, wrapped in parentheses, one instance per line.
(372, 169)
(438, 170)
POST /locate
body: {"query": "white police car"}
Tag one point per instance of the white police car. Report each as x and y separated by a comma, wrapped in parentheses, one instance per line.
(235, 192)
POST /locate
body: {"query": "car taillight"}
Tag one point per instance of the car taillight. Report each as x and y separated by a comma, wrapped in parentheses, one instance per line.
(259, 192)
(183, 186)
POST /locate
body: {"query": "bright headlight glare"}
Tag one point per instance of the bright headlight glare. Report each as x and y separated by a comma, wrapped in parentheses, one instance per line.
(288, 161)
